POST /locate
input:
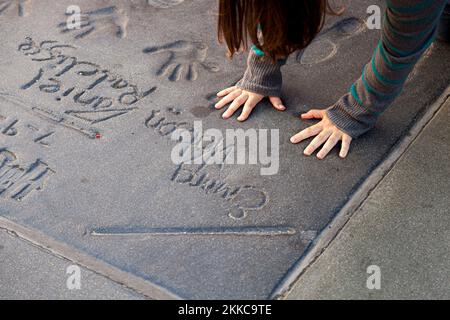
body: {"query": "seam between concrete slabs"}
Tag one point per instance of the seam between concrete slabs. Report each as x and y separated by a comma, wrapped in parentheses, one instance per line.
(61, 250)
(356, 200)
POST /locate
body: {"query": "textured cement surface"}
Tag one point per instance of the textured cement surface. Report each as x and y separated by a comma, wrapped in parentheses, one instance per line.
(28, 272)
(60, 87)
(403, 228)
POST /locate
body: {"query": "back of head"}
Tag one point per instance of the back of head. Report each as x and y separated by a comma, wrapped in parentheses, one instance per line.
(277, 27)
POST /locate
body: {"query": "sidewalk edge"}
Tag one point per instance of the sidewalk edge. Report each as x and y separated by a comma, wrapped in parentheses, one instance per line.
(64, 251)
(325, 238)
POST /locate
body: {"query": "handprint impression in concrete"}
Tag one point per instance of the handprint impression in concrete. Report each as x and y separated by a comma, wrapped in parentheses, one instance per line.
(184, 58)
(326, 45)
(100, 19)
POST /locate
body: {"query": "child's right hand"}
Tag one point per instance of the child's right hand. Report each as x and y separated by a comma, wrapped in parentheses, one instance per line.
(239, 97)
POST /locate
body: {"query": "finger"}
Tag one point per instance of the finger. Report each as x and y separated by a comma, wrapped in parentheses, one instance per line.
(313, 114)
(151, 50)
(85, 33)
(211, 67)
(317, 142)
(329, 145)
(176, 73)
(277, 103)
(230, 97)
(307, 133)
(166, 68)
(248, 108)
(237, 103)
(226, 91)
(346, 140)
(192, 73)
(169, 46)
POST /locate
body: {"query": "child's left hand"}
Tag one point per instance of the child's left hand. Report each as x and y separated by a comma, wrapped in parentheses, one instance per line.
(326, 133)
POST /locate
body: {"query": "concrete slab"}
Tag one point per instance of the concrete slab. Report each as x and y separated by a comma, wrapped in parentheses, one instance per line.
(28, 272)
(86, 122)
(403, 228)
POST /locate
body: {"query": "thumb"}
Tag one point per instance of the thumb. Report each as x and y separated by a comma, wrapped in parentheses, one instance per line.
(313, 114)
(277, 103)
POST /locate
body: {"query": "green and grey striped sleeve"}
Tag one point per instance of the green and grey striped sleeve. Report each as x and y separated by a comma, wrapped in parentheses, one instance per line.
(409, 28)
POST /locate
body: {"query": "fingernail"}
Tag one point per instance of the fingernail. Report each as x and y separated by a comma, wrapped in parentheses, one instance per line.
(282, 107)
(293, 140)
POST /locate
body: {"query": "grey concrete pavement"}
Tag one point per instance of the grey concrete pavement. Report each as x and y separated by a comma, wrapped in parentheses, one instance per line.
(403, 228)
(86, 117)
(29, 272)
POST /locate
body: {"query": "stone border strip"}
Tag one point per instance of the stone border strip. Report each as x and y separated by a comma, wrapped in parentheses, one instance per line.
(54, 247)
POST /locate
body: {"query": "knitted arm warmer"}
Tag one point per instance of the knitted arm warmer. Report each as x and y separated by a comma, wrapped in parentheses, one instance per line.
(263, 76)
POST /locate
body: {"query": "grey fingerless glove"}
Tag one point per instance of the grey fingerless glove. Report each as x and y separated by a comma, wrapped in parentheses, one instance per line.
(351, 117)
(262, 76)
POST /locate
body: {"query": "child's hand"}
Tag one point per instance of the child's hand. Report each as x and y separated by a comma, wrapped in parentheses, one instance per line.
(238, 98)
(325, 132)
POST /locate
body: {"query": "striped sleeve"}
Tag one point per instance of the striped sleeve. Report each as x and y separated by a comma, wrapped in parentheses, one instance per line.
(409, 28)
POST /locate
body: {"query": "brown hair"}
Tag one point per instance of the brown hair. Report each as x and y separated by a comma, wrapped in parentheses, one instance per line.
(285, 25)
